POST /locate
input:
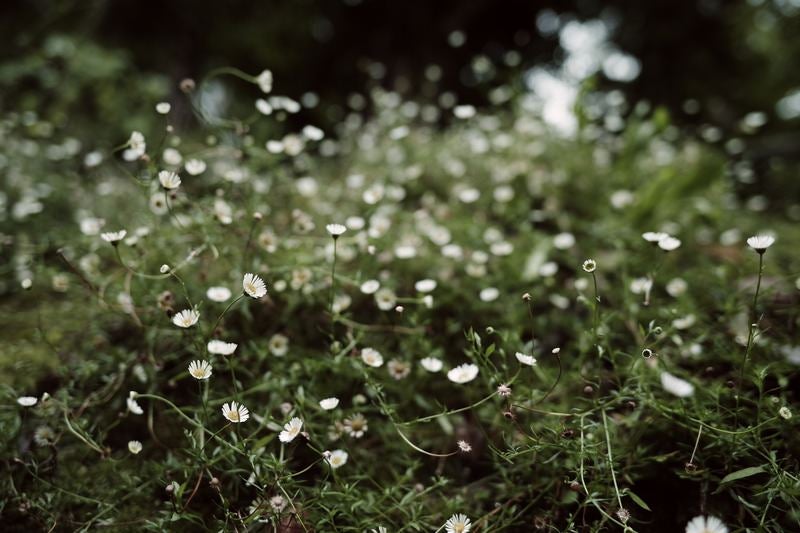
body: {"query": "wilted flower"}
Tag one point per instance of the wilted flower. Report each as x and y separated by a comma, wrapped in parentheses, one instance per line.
(169, 180)
(463, 373)
(760, 243)
(458, 523)
(329, 403)
(254, 286)
(291, 430)
(200, 369)
(186, 318)
(134, 446)
(219, 347)
(235, 412)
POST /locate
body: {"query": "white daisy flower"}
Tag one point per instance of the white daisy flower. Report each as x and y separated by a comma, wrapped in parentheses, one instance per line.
(425, 285)
(27, 401)
(133, 405)
(113, 236)
(235, 412)
(254, 286)
(525, 359)
(589, 265)
(290, 430)
(264, 81)
(195, 167)
(219, 347)
(329, 403)
(431, 364)
(186, 318)
(134, 446)
(669, 243)
(279, 345)
(218, 294)
(163, 108)
(336, 458)
(386, 299)
(372, 357)
(370, 286)
(169, 180)
(356, 426)
(200, 369)
(677, 386)
(335, 229)
(464, 446)
(458, 523)
(463, 373)
(760, 243)
(706, 524)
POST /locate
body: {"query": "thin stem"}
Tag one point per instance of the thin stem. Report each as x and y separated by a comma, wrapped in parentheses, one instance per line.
(211, 333)
(696, 442)
(752, 326)
(596, 308)
(610, 459)
(333, 275)
(555, 383)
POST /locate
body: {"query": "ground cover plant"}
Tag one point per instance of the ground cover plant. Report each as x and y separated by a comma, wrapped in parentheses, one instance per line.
(228, 322)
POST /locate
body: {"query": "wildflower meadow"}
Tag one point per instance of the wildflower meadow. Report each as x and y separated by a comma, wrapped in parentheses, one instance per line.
(424, 316)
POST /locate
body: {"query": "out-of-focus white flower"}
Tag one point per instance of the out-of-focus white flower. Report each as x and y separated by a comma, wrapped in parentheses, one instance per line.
(278, 344)
(113, 236)
(371, 357)
(386, 299)
(27, 401)
(669, 243)
(163, 108)
(677, 286)
(186, 318)
(329, 403)
(463, 373)
(431, 364)
(254, 286)
(219, 347)
(136, 145)
(356, 426)
(218, 294)
(489, 294)
(312, 133)
(564, 241)
(370, 286)
(195, 167)
(425, 285)
(290, 430)
(677, 386)
(264, 81)
(263, 107)
(654, 236)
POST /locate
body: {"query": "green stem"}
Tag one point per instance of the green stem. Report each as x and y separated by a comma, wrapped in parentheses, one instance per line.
(610, 459)
(333, 275)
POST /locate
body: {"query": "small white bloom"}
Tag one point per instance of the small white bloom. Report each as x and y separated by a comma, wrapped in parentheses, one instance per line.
(425, 285)
(464, 446)
(195, 167)
(489, 294)
(669, 243)
(27, 401)
(169, 180)
(458, 523)
(329, 403)
(386, 299)
(372, 357)
(254, 286)
(134, 446)
(431, 364)
(785, 413)
(219, 347)
(313, 133)
(113, 236)
(370, 286)
(264, 81)
(525, 359)
(654, 236)
(677, 386)
(677, 286)
(589, 265)
(464, 111)
(278, 345)
(186, 318)
(137, 145)
(290, 430)
(218, 294)
(172, 157)
(264, 107)
(337, 458)
(200, 369)
(706, 524)
(760, 243)
(463, 373)
(235, 412)
(356, 426)
(335, 229)
(133, 405)
(564, 241)
(162, 108)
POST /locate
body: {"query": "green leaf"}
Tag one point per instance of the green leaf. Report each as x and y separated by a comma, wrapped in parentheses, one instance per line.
(638, 501)
(743, 473)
